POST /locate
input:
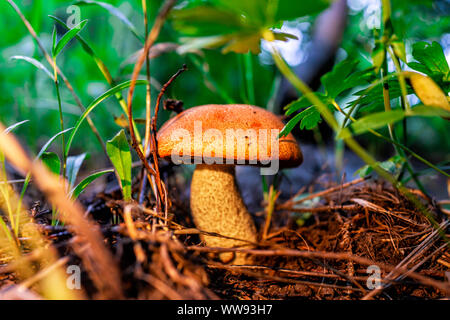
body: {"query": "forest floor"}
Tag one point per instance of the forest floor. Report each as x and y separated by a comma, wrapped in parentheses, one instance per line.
(340, 242)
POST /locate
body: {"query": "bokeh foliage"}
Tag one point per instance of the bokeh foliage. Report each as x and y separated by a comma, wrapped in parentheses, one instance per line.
(214, 76)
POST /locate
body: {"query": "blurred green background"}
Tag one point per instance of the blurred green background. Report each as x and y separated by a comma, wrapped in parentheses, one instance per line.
(213, 77)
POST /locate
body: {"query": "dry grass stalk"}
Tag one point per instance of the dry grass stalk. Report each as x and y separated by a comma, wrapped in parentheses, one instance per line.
(105, 274)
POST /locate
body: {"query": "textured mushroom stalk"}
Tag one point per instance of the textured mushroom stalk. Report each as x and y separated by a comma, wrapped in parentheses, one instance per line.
(217, 206)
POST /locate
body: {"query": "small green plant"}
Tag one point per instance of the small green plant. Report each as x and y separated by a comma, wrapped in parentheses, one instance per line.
(119, 153)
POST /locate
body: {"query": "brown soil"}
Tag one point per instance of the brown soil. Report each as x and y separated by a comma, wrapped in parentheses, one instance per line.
(327, 257)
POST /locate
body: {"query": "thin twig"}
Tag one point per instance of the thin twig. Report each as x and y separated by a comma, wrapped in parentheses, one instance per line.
(443, 286)
(160, 19)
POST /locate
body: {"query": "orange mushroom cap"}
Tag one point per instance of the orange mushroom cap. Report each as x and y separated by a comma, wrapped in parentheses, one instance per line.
(253, 130)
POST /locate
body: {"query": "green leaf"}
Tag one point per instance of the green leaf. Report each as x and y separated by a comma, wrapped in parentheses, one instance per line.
(290, 125)
(419, 67)
(308, 118)
(392, 165)
(54, 34)
(69, 35)
(119, 152)
(95, 103)
(364, 171)
(374, 121)
(428, 111)
(83, 43)
(35, 63)
(73, 167)
(372, 99)
(304, 102)
(236, 24)
(49, 142)
(343, 77)
(115, 12)
(381, 119)
(289, 10)
(432, 57)
(51, 160)
(41, 152)
(203, 21)
(87, 181)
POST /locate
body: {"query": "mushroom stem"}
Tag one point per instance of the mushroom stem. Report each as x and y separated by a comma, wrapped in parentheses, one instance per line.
(217, 206)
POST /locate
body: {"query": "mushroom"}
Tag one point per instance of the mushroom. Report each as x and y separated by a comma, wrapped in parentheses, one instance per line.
(217, 138)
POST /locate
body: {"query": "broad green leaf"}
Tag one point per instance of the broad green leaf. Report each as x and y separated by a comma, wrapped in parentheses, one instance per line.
(381, 119)
(419, 67)
(95, 103)
(289, 10)
(432, 57)
(35, 63)
(428, 111)
(115, 12)
(69, 35)
(87, 181)
(14, 126)
(118, 151)
(205, 21)
(236, 24)
(374, 121)
(51, 160)
(73, 167)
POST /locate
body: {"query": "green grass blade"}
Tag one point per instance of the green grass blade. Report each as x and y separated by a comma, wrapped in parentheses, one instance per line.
(87, 181)
(95, 103)
(15, 125)
(115, 12)
(69, 35)
(35, 63)
(73, 167)
(28, 177)
(88, 49)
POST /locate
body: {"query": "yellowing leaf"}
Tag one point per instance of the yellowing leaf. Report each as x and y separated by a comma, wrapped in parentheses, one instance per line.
(243, 44)
(121, 121)
(428, 91)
